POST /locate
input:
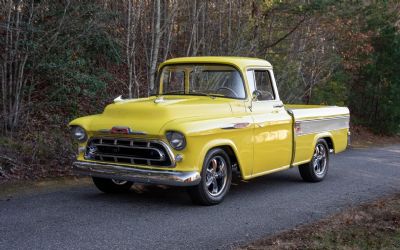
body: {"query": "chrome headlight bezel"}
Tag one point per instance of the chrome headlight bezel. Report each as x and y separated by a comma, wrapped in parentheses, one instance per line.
(176, 139)
(79, 133)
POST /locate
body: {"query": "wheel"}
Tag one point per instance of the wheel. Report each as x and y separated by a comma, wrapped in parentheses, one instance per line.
(111, 185)
(216, 177)
(317, 168)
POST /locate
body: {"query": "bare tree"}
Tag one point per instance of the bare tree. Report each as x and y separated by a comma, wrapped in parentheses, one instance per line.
(133, 16)
(14, 55)
(156, 45)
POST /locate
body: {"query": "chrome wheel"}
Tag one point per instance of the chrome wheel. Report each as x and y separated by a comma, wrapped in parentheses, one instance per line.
(320, 160)
(119, 182)
(216, 175)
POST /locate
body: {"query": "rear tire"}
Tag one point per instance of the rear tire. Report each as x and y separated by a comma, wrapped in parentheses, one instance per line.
(111, 186)
(216, 178)
(317, 168)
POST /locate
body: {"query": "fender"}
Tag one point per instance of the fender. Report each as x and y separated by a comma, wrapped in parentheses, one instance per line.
(321, 136)
(244, 171)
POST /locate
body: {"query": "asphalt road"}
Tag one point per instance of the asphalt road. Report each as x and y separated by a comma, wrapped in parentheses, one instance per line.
(83, 218)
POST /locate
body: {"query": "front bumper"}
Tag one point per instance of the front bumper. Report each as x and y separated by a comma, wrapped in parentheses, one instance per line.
(111, 171)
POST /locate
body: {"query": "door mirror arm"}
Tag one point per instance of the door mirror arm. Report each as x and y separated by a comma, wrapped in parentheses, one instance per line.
(254, 97)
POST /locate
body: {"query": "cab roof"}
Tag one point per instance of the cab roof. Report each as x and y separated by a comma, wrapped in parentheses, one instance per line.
(239, 62)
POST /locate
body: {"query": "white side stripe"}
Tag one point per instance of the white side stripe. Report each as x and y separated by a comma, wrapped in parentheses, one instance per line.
(321, 125)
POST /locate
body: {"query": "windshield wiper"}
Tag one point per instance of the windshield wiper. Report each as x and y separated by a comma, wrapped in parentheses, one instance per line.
(202, 94)
(174, 92)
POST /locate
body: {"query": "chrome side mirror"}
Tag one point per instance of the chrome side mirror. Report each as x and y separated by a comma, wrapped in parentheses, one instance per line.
(254, 96)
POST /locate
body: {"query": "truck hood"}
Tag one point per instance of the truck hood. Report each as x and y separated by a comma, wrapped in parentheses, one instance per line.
(149, 115)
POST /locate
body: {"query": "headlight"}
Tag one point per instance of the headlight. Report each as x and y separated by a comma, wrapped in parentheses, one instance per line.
(176, 140)
(78, 133)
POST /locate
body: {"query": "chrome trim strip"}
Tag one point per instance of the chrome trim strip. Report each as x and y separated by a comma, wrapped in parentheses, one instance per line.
(325, 118)
(118, 172)
(131, 132)
(311, 126)
(131, 158)
(239, 125)
(229, 127)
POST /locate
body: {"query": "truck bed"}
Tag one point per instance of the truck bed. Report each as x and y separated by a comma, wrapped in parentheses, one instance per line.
(318, 121)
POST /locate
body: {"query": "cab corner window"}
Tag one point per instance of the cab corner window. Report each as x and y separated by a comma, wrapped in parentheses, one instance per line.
(263, 84)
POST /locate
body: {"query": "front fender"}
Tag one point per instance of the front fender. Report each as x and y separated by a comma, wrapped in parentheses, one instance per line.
(205, 133)
(245, 169)
(83, 122)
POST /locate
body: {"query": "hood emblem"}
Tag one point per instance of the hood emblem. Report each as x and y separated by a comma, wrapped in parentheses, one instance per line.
(121, 130)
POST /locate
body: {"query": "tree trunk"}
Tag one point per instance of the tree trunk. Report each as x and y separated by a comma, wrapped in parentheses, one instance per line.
(156, 47)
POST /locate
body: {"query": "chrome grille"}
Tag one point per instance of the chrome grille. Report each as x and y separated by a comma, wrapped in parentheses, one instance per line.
(130, 151)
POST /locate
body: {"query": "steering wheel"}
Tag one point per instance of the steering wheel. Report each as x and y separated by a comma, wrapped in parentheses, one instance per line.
(229, 89)
(269, 94)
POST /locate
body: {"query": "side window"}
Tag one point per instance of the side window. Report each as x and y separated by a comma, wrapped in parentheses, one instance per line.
(264, 85)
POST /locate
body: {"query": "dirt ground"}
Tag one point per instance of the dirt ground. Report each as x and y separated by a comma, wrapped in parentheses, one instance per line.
(374, 225)
(362, 137)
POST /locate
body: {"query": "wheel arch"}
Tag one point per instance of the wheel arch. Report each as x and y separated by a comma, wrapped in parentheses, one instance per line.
(328, 138)
(329, 142)
(228, 146)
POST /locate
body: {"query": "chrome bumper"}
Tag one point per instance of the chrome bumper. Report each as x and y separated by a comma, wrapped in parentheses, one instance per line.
(111, 171)
(348, 138)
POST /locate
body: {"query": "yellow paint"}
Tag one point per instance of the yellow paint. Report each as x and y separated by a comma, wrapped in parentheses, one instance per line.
(263, 147)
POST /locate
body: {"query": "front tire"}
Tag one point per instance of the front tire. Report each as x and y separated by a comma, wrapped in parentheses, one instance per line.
(317, 168)
(216, 178)
(111, 186)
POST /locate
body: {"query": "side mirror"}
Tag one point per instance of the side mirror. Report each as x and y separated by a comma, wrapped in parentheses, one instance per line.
(255, 95)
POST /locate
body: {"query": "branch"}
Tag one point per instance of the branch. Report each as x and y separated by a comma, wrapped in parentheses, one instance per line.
(287, 34)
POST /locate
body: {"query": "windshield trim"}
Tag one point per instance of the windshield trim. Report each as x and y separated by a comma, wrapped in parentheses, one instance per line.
(191, 94)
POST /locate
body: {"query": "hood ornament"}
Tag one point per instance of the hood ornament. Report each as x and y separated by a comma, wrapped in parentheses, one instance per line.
(159, 99)
(118, 99)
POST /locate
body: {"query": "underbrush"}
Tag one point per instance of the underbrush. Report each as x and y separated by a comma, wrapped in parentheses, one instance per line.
(35, 155)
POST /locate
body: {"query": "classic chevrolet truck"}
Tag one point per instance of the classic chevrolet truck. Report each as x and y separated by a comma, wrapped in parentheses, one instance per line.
(207, 119)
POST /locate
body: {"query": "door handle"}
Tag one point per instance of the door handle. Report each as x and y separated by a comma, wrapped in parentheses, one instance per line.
(277, 106)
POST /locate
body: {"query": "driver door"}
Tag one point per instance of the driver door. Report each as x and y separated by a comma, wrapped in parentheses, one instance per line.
(272, 124)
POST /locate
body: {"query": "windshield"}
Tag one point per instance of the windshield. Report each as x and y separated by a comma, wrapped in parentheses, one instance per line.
(212, 80)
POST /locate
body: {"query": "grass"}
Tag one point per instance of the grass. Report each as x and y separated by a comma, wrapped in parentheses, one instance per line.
(375, 225)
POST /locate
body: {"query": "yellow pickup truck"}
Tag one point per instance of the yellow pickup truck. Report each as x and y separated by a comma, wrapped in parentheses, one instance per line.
(207, 119)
